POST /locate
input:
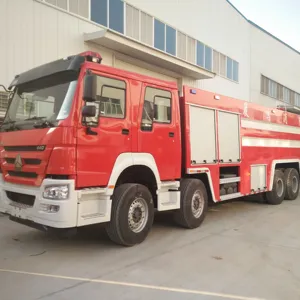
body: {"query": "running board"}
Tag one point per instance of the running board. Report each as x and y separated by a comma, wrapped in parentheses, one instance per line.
(168, 196)
(231, 196)
(94, 206)
(169, 184)
(230, 180)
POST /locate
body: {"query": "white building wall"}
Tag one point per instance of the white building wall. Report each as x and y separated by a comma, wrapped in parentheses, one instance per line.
(36, 33)
(32, 33)
(215, 23)
(273, 59)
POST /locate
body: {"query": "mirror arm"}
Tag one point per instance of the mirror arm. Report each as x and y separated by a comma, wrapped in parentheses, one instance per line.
(5, 89)
(89, 131)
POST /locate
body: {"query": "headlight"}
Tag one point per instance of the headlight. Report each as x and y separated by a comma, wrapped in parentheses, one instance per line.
(60, 192)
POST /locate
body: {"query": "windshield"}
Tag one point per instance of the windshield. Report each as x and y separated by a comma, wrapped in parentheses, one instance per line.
(41, 103)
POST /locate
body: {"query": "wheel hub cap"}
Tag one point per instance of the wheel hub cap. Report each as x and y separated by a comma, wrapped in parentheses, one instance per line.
(294, 184)
(138, 215)
(197, 204)
(280, 188)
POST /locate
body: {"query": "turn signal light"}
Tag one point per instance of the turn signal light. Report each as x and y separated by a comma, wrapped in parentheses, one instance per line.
(49, 208)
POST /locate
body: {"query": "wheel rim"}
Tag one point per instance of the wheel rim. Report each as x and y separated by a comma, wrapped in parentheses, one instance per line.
(280, 187)
(138, 215)
(295, 184)
(197, 204)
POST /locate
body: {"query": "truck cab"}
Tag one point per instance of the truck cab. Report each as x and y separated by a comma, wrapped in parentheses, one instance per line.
(75, 131)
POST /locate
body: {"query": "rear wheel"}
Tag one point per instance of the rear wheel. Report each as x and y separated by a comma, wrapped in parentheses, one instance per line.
(291, 177)
(132, 214)
(277, 194)
(193, 203)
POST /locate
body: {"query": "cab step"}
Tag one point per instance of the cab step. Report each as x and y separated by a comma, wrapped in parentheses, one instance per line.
(230, 180)
(169, 184)
(231, 196)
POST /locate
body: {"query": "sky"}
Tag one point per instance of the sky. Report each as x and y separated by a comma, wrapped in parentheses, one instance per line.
(279, 17)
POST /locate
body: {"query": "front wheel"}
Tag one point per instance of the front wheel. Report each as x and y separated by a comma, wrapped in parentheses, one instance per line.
(132, 214)
(193, 203)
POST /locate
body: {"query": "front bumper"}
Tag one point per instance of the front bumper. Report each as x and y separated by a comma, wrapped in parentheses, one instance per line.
(65, 217)
(84, 207)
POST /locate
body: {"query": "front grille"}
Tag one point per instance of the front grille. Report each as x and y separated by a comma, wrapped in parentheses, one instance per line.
(24, 148)
(21, 198)
(61, 177)
(10, 160)
(27, 161)
(23, 174)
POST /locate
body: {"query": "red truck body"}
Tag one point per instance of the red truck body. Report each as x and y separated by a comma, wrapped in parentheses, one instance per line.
(156, 150)
(266, 137)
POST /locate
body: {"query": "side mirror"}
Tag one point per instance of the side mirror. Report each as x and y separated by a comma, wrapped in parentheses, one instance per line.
(90, 88)
(89, 111)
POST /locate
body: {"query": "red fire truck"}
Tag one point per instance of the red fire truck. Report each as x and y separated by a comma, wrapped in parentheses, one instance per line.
(83, 143)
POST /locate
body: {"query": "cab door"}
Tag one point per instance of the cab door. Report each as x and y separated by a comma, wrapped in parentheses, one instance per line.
(109, 134)
(159, 130)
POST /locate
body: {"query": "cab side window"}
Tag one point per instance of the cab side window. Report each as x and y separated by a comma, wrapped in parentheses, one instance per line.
(111, 97)
(157, 108)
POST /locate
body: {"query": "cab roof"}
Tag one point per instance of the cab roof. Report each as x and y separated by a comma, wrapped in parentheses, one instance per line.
(131, 75)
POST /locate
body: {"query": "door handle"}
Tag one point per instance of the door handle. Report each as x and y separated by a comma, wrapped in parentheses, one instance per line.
(171, 134)
(125, 131)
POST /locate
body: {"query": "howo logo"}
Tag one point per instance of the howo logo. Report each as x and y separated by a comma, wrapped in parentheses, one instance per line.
(18, 163)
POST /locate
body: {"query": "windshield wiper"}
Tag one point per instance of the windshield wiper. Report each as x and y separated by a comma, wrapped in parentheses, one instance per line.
(44, 124)
(35, 118)
(12, 126)
(8, 122)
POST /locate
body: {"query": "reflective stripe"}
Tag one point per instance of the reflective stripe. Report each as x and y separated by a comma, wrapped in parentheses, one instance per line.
(269, 126)
(273, 143)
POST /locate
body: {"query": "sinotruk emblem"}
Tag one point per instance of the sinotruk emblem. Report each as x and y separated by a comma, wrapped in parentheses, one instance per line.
(18, 163)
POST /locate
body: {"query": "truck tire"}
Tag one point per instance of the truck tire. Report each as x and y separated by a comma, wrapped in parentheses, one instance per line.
(277, 194)
(193, 203)
(132, 214)
(291, 177)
